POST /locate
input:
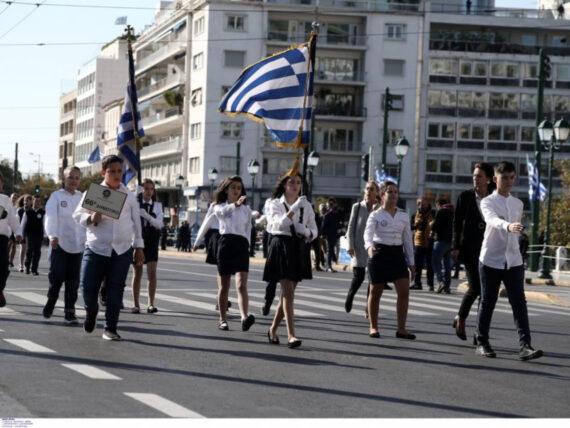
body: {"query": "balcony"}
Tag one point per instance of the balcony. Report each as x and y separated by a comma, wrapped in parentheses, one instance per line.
(455, 9)
(162, 121)
(340, 112)
(162, 148)
(373, 5)
(159, 86)
(345, 78)
(451, 44)
(170, 48)
(338, 41)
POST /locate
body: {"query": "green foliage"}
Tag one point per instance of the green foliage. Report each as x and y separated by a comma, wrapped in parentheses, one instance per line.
(560, 214)
(88, 179)
(8, 173)
(46, 183)
(174, 98)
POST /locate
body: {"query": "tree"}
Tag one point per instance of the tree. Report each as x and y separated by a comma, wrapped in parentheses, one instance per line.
(88, 179)
(46, 186)
(8, 173)
(560, 215)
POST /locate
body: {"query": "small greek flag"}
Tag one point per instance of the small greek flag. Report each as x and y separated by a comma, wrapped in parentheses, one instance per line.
(536, 190)
(121, 20)
(95, 155)
(381, 177)
(277, 92)
(130, 128)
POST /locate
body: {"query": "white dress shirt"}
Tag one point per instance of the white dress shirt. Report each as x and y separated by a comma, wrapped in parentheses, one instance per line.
(279, 223)
(9, 224)
(111, 234)
(158, 221)
(382, 228)
(234, 220)
(59, 221)
(210, 222)
(500, 247)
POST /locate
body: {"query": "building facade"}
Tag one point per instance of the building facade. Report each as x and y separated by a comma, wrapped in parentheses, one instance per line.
(66, 146)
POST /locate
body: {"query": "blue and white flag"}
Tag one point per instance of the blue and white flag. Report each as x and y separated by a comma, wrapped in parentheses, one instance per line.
(95, 155)
(130, 128)
(536, 190)
(121, 20)
(381, 177)
(277, 92)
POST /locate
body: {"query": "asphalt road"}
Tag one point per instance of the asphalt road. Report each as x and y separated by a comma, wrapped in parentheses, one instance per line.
(176, 363)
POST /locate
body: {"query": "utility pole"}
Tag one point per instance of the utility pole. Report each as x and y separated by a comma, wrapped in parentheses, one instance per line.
(543, 74)
(386, 136)
(238, 149)
(15, 177)
(64, 161)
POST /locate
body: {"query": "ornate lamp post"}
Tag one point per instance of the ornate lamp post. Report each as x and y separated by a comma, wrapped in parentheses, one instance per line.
(551, 137)
(253, 169)
(401, 148)
(179, 182)
(312, 163)
(212, 176)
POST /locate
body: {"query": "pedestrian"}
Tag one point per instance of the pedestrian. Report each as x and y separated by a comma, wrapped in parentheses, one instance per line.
(233, 248)
(468, 4)
(163, 237)
(32, 229)
(423, 243)
(12, 244)
(151, 218)
(184, 236)
(271, 287)
(293, 227)
(67, 241)
(109, 250)
(8, 226)
(329, 230)
(388, 241)
(501, 261)
(468, 231)
(355, 236)
(561, 10)
(316, 244)
(24, 203)
(442, 230)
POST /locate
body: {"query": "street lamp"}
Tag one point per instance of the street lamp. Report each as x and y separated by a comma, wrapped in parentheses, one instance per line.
(212, 176)
(312, 163)
(401, 148)
(179, 182)
(551, 137)
(253, 169)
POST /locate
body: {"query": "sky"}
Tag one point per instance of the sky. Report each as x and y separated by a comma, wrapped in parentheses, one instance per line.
(32, 78)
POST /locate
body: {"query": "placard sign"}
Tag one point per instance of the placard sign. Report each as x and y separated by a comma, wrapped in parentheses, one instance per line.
(104, 200)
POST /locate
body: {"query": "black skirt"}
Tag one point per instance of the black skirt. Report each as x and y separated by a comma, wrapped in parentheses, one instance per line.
(212, 237)
(233, 254)
(151, 244)
(287, 258)
(387, 264)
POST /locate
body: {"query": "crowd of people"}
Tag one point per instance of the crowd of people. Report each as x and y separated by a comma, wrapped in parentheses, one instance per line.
(91, 250)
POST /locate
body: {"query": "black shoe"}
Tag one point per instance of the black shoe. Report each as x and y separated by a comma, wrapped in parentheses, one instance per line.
(485, 350)
(408, 336)
(375, 334)
(49, 307)
(90, 321)
(223, 325)
(266, 308)
(11, 264)
(446, 291)
(27, 271)
(459, 328)
(348, 302)
(319, 269)
(440, 288)
(247, 323)
(387, 287)
(2, 299)
(35, 273)
(294, 343)
(431, 289)
(272, 340)
(151, 310)
(527, 352)
(70, 318)
(416, 287)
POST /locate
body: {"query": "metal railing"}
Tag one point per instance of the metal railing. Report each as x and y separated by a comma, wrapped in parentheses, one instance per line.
(161, 115)
(169, 47)
(170, 80)
(326, 39)
(340, 110)
(164, 147)
(499, 12)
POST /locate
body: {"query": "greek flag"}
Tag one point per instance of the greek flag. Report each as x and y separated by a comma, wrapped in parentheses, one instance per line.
(381, 177)
(130, 128)
(273, 92)
(536, 190)
(95, 155)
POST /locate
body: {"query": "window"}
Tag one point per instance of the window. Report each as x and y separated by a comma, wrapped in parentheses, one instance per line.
(530, 71)
(234, 58)
(441, 130)
(198, 61)
(232, 129)
(337, 139)
(441, 66)
(196, 98)
(494, 133)
(473, 69)
(199, 26)
(195, 131)
(478, 132)
(235, 23)
(528, 40)
(465, 165)
(394, 67)
(442, 98)
(397, 102)
(563, 72)
(505, 70)
(395, 32)
(527, 133)
(337, 168)
(228, 163)
(342, 69)
(439, 164)
(339, 33)
(194, 165)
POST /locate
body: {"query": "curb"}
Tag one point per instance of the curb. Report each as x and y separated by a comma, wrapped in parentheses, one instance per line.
(551, 282)
(533, 296)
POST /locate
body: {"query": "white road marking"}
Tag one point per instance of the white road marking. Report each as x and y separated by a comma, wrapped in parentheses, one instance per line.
(193, 303)
(260, 305)
(91, 372)
(8, 312)
(41, 300)
(163, 405)
(28, 345)
(308, 303)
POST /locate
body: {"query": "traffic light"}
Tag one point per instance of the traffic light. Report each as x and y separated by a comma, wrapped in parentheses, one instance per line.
(365, 165)
(546, 66)
(37, 190)
(388, 101)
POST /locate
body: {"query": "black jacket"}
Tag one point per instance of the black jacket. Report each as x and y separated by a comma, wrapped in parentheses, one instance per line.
(468, 226)
(442, 228)
(34, 223)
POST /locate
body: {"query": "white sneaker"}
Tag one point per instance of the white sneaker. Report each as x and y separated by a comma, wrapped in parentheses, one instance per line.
(109, 335)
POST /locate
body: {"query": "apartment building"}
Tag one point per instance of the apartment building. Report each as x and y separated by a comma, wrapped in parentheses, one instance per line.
(100, 81)
(66, 146)
(479, 94)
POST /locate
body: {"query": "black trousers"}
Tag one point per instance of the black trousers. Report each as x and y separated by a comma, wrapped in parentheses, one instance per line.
(422, 257)
(513, 279)
(331, 255)
(64, 268)
(318, 250)
(4, 269)
(33, 252)
(473, 287)
(358, 276)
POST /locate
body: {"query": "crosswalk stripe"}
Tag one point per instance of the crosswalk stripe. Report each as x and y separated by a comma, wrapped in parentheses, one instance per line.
(167, 407)
(28, 345)
(161, 311)
(193, 303)
(41, 300)
(8, 312)
(388, 308)
(91, 372)
(256, 304)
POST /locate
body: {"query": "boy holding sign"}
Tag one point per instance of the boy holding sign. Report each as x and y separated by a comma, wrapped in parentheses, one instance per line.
(109, 247)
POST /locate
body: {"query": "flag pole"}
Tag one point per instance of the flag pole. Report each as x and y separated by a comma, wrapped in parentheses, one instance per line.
(134, 107)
